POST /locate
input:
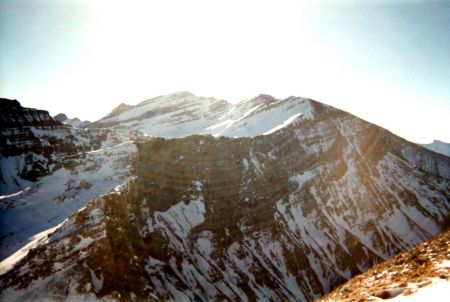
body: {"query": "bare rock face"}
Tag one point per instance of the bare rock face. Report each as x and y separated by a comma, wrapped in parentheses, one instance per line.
(285, 216)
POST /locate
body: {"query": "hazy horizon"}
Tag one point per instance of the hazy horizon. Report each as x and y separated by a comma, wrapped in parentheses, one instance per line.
(384, 61)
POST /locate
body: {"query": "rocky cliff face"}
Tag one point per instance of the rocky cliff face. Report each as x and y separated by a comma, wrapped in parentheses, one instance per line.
(25, 129)
(28, 138)
(284, 216)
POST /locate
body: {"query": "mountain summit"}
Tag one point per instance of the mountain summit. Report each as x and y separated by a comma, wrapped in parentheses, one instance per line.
(183, 114)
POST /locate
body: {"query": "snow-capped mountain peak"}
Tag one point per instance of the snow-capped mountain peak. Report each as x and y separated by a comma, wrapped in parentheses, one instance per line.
(182, 114)
(173, 115)
(261, 98)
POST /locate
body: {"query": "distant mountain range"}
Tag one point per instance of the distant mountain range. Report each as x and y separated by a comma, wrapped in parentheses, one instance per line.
(74, 122)
(188, 198)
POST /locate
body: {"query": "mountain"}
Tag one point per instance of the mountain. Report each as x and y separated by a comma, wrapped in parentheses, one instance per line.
(174, 115)
(439, 147)
(304, 198)
(182, 114)
(32, 144)
(28, 138)
(74, 122)
(21, 128)
(50, 170)
(421, 274)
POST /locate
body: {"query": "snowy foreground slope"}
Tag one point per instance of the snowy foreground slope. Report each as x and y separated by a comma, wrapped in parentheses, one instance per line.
(53, 198)
(421, 274)
(288, 215)
(48, 171)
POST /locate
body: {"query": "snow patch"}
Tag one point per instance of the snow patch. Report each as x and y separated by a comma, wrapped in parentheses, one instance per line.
(284, 124)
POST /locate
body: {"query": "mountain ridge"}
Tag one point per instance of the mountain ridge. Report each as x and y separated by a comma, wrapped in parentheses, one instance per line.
(182, 114)
(286, 215)
(73, 122)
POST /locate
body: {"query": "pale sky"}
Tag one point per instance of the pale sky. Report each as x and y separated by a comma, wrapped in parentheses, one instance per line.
(385, 61)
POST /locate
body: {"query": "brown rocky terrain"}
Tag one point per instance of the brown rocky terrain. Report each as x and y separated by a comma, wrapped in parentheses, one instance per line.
(404, 274)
